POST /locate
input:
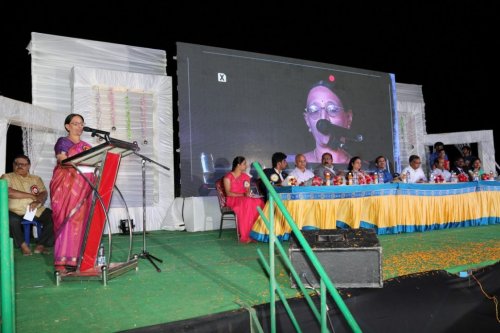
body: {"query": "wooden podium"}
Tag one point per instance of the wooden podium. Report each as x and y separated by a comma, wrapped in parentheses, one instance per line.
(106, 157)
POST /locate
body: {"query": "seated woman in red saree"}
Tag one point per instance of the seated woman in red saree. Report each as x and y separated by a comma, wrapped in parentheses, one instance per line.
(71, 196)
(237, 187)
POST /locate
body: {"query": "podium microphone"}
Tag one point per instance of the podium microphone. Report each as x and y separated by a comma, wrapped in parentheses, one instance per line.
(339, 136)
(337, 133)
(95, 131)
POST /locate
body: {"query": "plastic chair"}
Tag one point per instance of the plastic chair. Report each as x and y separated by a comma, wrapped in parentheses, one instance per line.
(208, 167)
(226, 212)
(27, 230)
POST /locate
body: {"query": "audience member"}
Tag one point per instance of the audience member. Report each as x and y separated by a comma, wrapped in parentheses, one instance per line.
(435, 153)
(301, 173)
(414, 170)
(442, 154)
(28, 192)
(468, 157)
(238, 197)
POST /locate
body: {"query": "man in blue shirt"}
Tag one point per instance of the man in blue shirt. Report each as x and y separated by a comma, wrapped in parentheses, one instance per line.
(381, 167)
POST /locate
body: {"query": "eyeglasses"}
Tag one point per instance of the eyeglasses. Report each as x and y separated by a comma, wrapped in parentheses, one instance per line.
(331, 109)
(21, 164)
(77, 124)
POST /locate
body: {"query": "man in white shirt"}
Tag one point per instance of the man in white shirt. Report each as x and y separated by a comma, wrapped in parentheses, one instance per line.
(414, 170)
(300, 172)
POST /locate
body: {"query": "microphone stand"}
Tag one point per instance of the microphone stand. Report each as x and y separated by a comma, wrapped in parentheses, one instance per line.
(105, 137)
(144, 253)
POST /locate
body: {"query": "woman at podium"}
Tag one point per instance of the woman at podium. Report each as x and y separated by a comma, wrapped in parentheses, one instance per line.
(70, 195)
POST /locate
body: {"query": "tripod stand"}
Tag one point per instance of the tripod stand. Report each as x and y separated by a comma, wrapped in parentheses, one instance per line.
(144, 253)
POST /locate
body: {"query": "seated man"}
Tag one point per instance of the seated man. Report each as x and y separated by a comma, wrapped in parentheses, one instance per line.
(28, 190)
(460, 167)
(277, 173)
(300, 172)
(439, 169)
(414, 170)
(381, 167)
(326, 166)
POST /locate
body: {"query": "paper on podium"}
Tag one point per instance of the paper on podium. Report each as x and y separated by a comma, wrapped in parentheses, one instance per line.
(30, 214)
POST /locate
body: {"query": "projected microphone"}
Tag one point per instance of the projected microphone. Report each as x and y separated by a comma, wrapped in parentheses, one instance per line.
(95, 131)
(338, 135)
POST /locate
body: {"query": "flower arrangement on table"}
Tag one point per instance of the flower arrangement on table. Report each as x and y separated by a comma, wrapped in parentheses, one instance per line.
(317, 181)
(292, 181)
(485, 176)
(338, 180)
(364, 179)
(438, 179)
(462, 178)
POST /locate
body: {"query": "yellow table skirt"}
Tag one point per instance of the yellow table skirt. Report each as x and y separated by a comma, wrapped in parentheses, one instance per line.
(405, 211)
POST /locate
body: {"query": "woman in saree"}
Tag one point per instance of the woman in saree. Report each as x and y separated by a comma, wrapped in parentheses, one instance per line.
(239, 198)
(71, 196)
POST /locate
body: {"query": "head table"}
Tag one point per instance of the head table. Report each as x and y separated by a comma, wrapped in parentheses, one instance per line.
(388, 208)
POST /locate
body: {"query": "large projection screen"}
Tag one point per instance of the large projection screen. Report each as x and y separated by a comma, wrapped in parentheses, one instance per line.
(240, 103)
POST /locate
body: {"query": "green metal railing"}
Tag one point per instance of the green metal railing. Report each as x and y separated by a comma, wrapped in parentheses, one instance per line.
(325, 282)
(7, 263)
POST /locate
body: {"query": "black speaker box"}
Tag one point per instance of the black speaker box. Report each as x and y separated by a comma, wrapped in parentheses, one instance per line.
(352, 258)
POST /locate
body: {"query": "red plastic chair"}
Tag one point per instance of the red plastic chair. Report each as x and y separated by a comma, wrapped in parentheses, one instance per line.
(226, 213)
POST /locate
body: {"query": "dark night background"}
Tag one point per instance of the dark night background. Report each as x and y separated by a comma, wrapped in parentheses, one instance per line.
(449, 48)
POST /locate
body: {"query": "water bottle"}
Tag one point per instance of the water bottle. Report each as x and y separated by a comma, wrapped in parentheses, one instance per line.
(454, 178)
(101, 258)
(349, 178)
(380, 177)
(407, 177)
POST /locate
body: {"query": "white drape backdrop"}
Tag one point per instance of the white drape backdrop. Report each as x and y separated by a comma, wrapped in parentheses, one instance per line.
(68, 73)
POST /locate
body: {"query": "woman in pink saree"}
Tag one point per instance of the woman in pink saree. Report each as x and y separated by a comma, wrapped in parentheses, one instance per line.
(239, 198)
(71, 197)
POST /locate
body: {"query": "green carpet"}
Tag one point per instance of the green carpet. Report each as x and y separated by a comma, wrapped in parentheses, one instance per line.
(202, 274)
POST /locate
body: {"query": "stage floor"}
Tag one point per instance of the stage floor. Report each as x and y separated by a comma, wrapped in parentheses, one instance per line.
(202, 275)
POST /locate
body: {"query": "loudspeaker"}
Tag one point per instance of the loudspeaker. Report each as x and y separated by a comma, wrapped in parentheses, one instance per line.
(352, 258)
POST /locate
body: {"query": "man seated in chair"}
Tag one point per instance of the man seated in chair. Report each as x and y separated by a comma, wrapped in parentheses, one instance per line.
(28, 190)
(381, 168)
(277, 173)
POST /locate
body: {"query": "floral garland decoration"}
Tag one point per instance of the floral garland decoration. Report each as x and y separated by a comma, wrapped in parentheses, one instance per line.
(111, 99)
(127, 113)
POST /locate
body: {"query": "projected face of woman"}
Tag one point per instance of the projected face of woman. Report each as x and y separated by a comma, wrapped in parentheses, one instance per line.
(322, 103)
